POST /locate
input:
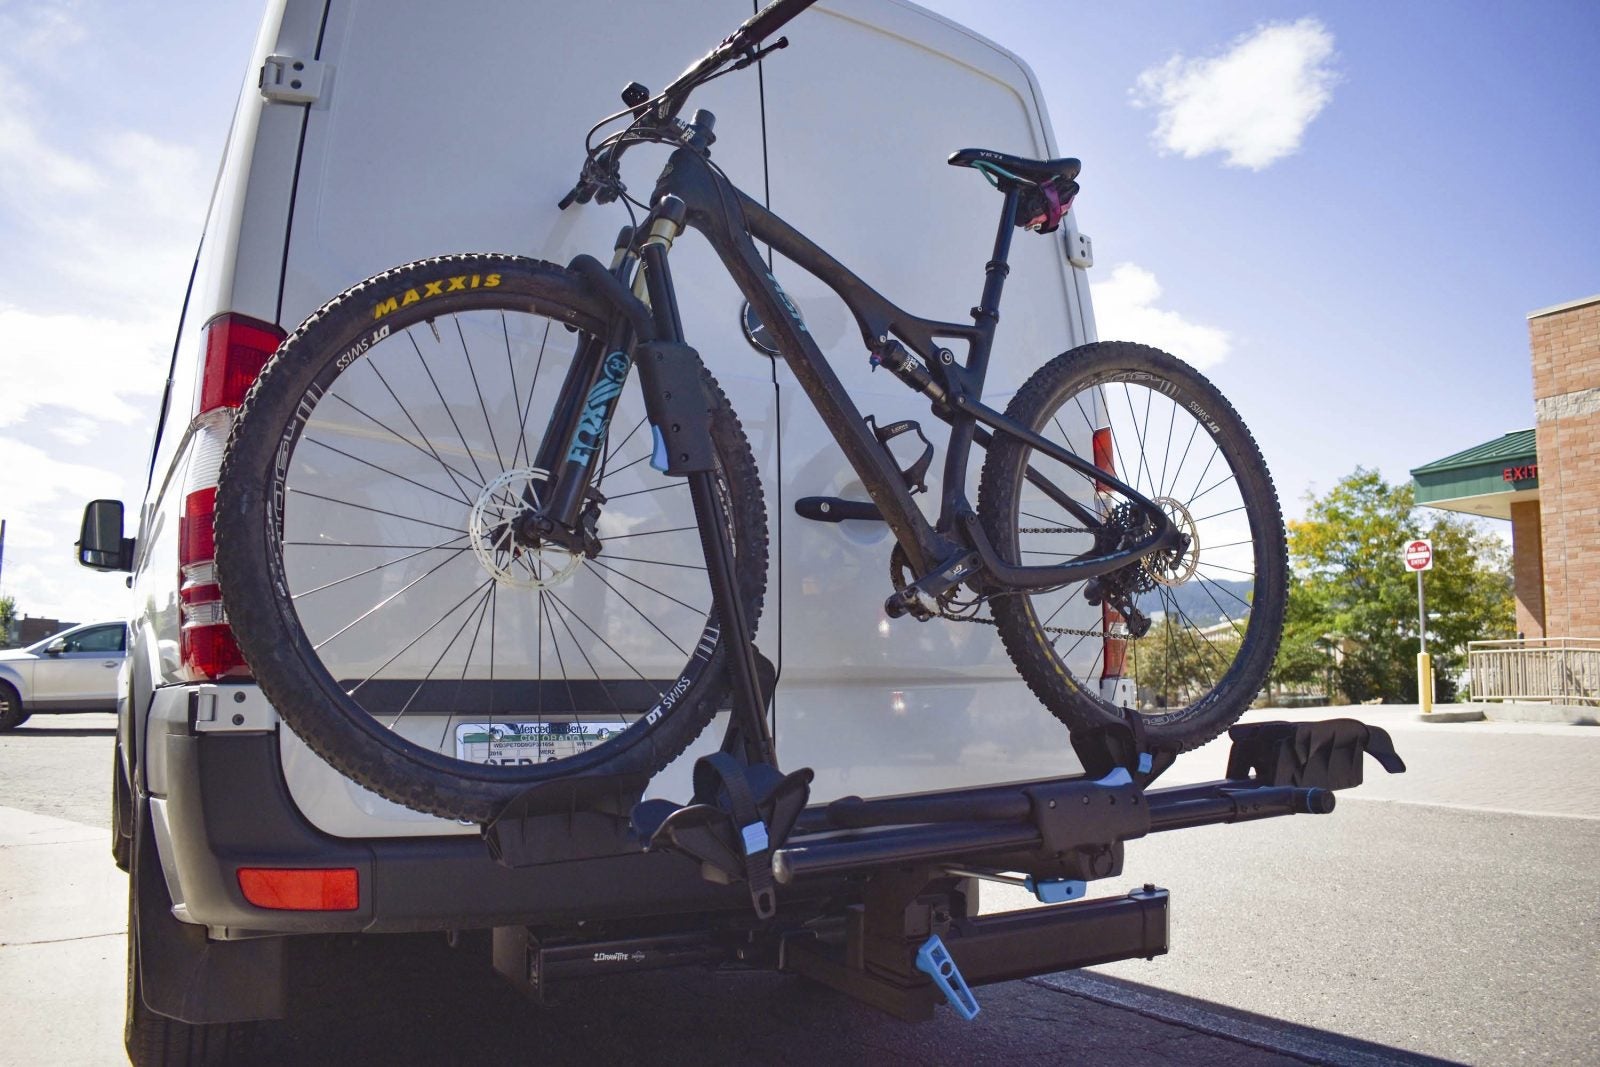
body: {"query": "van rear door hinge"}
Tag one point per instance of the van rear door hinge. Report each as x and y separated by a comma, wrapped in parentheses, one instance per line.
(1080, 249)
(291, 80)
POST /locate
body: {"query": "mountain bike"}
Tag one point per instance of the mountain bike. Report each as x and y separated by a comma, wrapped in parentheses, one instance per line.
(464, 554)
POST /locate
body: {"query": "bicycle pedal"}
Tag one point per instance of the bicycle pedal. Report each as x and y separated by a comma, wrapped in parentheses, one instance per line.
(906, 602)
(914, 599)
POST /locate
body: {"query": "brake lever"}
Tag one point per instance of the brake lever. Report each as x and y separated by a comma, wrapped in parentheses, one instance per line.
(599, 176)
(756, 55)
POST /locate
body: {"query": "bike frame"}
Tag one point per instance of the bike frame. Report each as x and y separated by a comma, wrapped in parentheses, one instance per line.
(956, 545)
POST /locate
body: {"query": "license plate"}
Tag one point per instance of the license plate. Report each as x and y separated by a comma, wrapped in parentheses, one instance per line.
(523, 743)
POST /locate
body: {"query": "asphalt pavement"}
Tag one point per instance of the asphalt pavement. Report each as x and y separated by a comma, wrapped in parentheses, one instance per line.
(1447, 914)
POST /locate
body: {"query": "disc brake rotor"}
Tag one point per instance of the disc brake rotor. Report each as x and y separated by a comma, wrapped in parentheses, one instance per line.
(491, 528)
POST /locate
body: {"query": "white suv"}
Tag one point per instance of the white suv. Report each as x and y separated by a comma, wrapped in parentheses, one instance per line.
(74, 670)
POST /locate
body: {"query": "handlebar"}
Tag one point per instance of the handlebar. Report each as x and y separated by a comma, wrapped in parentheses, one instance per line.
(670, 100)
(751, 32)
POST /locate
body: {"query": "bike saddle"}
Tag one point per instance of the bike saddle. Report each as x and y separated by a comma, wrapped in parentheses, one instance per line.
(1037, 171)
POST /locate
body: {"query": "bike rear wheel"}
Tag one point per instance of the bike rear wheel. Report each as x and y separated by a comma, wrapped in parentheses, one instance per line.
(1215, 607)
(365, 564)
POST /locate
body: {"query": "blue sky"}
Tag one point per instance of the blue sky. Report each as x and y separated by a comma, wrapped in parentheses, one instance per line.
(1374, 283)
(1345, 211)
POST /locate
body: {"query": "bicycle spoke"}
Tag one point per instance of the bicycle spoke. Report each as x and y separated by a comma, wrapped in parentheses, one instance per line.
(1218, 514)
(1137, 436)
(377, 511)
(368, 463)
(402, 437)
(449, 412)
(564, 606)
(1220, 609)
(636, 610)
(1197, 496)
(649, 533)
(1166, 455)
(522, 425)
(476, 388)
(448, 612)
(604, 688)
(561, 663)
(1220, 567)
(476, 609)
(655, 562)
(370, 570)
(466, 665)
(653, 489)
(647, 585)
(385, 602)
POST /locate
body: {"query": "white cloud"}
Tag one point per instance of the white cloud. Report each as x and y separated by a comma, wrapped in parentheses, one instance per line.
(87, 367)
(100, 222)
(1252, 102)
(1124, 310)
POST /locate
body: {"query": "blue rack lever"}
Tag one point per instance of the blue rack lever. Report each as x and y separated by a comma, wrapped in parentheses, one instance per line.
(933, 959)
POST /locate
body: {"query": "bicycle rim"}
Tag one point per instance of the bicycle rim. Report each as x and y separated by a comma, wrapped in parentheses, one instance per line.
(401, 474)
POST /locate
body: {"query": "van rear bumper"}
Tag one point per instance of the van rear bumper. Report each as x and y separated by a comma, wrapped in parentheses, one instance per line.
(227, 806)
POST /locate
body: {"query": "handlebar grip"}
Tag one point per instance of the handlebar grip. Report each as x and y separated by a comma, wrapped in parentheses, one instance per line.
(767, 21)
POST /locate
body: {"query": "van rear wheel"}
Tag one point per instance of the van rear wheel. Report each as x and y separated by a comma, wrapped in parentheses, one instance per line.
(368, 566)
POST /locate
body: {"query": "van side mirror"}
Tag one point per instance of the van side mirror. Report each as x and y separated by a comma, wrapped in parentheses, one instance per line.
(101, 545)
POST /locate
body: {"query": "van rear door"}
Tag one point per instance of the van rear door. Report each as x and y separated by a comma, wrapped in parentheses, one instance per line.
(444, 128)
(861, 114)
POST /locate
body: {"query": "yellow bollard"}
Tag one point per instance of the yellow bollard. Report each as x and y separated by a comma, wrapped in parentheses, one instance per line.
(1425, 682)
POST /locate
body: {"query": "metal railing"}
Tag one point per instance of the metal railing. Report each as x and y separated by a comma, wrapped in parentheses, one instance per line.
(1561, 670)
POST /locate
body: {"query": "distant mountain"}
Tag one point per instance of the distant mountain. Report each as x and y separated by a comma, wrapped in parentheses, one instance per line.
(1202, 601)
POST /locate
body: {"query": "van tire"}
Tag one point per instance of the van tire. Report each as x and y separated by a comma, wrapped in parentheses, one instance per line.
(255, 584)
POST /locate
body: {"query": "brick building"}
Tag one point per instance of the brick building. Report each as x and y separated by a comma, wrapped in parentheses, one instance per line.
(1546, 480)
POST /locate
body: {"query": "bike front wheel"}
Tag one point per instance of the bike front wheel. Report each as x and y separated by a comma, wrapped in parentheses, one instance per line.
(1211, 613)
(366, 567)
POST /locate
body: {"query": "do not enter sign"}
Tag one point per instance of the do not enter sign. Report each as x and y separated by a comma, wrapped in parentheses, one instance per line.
(1419, 555)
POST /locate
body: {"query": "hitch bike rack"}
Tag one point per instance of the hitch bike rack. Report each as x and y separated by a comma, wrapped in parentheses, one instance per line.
(876, 897)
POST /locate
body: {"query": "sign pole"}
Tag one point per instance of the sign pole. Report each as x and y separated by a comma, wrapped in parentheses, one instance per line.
(1422, 615)
(1418, 556)
(1424, 662)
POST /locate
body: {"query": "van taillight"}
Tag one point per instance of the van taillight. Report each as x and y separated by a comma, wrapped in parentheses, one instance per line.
(1113, 650)
(1103, 452)
(236, 349)
(205, 641)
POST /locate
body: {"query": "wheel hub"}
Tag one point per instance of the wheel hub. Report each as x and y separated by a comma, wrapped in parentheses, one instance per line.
(1176, 565)
(505, 531)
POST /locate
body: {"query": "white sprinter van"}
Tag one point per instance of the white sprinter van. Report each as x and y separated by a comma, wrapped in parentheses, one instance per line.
(374, 132)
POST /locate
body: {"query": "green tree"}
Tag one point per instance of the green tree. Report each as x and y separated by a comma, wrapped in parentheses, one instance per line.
(8, 619)
(1304, 652)
(1346, 558)
(1177, 663)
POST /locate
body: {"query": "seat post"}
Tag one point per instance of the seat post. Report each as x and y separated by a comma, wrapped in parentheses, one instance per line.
(994, 274)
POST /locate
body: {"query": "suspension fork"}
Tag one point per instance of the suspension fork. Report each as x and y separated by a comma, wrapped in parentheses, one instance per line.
(585, 405)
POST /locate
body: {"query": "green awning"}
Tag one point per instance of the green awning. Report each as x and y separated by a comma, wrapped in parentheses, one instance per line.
(1484, 479)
